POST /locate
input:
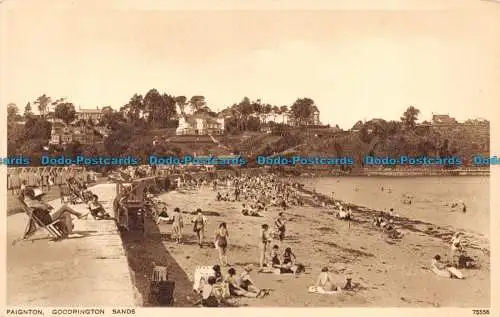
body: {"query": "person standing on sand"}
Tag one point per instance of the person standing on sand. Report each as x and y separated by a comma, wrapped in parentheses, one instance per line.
(264, 242)
(177, 225)
(280, 226)
(199, 226)
(221, 242)
(455, 245)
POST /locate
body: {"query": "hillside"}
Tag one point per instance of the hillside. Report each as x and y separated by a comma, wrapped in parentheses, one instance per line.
(460, 140)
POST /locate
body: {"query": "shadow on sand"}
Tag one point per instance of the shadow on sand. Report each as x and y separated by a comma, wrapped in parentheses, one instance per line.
(144, 251)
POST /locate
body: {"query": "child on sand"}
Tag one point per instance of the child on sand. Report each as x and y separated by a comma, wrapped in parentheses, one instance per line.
(275, 261)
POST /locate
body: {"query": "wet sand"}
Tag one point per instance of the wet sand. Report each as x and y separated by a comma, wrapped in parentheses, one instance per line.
(387, 273)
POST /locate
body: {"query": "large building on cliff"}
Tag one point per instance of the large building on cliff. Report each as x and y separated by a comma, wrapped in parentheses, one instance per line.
(443, 119)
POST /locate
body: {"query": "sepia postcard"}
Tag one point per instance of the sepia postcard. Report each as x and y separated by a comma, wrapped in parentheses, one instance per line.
(252, 155)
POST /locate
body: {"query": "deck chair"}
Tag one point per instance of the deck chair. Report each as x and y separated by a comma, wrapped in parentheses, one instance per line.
(34, 224)
(67, 195)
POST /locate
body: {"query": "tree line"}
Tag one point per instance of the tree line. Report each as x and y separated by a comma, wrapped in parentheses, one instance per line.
(130, 125)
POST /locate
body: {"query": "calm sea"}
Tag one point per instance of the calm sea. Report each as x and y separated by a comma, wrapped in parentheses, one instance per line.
(431, 194)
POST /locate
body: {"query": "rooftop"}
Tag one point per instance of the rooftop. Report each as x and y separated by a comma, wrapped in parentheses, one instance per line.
(83, 110)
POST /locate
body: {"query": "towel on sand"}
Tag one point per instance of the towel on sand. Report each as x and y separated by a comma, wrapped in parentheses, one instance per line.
(319, 290)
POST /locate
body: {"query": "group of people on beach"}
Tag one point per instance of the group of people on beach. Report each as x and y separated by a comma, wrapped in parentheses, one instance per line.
(262, 194)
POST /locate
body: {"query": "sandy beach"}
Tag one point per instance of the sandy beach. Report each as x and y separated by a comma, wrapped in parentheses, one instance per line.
(385, 272)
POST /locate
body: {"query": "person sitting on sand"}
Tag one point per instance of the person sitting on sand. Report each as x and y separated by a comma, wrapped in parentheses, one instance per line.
(289, 257)
(163, 216)
(234, 287)
(324, 283)
(218, 197)
(253, 212)
(289, 264)
(244, 210)
(217, 273)
(273, 201)
(284, 204)
(387, 224)
(220, 288)
(344, 214)
(378, 220)
(443, 270)
(245, 282)
(209, 294)
(275, 260)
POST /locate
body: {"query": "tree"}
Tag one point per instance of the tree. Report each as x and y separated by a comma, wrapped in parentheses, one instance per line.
(303, 111)
(43, 103)
(133, 110)
(284, 112)
(73, 149)
(169, 110)
(65, 111)
(37, 128)
(253, 124)
(27, 110)
(12, 112)
(276, 111)
(180, 102)
(410, 117)
(153, 103)
(197, 102)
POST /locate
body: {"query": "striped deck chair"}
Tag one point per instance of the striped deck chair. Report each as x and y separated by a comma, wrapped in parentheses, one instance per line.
(35, 223)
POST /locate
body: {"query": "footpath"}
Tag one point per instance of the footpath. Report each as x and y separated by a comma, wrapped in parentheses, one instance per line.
(89, 268)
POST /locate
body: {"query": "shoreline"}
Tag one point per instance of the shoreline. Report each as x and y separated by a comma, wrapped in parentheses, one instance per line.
(357, 249)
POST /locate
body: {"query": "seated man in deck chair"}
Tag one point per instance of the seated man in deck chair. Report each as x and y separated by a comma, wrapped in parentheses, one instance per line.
(45, 213)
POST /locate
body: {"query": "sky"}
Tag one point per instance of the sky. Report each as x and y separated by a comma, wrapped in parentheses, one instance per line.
(357, 60)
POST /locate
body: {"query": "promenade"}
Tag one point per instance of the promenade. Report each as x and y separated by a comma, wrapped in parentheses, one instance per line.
(89, 268)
